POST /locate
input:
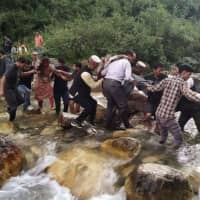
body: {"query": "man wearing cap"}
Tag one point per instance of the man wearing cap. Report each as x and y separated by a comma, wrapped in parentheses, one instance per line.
(82, 86)
(115, 74)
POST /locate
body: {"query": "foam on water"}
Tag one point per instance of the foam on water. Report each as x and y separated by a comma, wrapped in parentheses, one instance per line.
(35, 185)
(121, 195)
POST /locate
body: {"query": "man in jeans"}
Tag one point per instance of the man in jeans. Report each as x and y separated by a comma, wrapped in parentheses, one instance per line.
(12, 95)
(25, 81)
(173, 89)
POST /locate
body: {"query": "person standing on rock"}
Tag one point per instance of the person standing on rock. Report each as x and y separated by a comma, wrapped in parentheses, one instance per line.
(11, 93)
(115, 74)
(60, 90)
(173, 89)
(83, 84)
(5, 63)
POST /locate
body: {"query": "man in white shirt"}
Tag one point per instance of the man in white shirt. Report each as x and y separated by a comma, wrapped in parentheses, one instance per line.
(115, 74)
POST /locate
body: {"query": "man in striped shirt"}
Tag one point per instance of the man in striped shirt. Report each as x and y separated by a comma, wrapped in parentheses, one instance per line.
(173, 89)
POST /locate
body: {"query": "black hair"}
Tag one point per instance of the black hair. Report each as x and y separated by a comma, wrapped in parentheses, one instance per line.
(78, 64)
(157, 65)
(185, 67)
(21, 60)
(129, 52)
(61, 60)
(179, 64)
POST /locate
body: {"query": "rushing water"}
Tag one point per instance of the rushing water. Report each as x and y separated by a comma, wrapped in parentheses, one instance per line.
(36, 185)
(33, 184)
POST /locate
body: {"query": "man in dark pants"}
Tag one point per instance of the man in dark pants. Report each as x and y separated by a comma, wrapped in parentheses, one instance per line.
(188, 110)
(154, 97)
(82, 86)
(12, 95)
(115, 74)
(60, 89)
(5, 62)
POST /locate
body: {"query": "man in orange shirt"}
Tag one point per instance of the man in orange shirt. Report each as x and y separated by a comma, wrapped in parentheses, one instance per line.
(38, 41)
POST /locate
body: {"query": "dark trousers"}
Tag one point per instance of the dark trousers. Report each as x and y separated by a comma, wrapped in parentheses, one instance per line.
(13, 99)
(186, 115)
(117, 99)
(89, 104)
(65, 97)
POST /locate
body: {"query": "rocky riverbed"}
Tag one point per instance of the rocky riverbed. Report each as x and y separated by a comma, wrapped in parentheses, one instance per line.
(100, 165)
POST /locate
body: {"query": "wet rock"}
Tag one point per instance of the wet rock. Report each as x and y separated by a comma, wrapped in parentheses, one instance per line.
(87, 172)
(152, 159)
(123, 147)
(65, 120)
(7, 128)
(157, 182)
(11, 160)
(36, 150)
(50, 130)
(133, 132)
(193, 175)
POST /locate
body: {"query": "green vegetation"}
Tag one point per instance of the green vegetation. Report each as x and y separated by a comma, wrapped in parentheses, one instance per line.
(165, 30)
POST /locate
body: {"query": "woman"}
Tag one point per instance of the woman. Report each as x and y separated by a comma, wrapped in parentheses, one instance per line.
(42, 83)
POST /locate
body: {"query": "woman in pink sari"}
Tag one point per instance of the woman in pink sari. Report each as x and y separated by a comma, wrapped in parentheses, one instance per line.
(42, 85)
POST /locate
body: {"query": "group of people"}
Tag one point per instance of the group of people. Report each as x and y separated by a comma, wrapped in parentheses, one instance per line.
(120, 76)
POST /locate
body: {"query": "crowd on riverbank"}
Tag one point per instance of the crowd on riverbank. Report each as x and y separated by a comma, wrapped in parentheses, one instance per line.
(122, 77)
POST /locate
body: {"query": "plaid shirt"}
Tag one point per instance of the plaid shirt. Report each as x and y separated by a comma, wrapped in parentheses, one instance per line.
(173, 89)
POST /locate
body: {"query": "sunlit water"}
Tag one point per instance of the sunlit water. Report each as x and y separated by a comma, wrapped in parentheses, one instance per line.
(36, 185)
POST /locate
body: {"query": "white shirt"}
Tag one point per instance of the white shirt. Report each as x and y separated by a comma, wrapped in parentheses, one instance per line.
(118, 70)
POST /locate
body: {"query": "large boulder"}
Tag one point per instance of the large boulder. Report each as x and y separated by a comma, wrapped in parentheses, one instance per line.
(157, 182)
(86, 172)
(11, 160)
(7, 128)
(124, 147)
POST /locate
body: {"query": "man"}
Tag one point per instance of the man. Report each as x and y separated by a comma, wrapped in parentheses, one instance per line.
(173, 89)
(5, 62)
(7, 44)
(83, 83)
(35, 60)
(39, 41)
(12, 95)
(154, 97)
(25, 81)
(115, 74)
(60, 89)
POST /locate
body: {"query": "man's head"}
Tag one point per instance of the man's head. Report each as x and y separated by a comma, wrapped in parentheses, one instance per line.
(157, 69)
(174, 70)
(185, 71)
(34, 55)
(131, 55)
(77, 66)
(21, 62)
(93, 62)
(61, 61)
(139, 68)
